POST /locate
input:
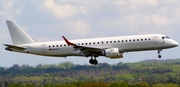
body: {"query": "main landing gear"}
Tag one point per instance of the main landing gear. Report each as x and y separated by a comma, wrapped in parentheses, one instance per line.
(159, 51)
(93, 61)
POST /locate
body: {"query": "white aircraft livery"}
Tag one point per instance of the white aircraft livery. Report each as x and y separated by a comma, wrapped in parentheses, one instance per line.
(110, 47)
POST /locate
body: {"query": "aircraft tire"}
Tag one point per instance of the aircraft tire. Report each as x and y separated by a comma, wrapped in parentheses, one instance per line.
(95, 62)
(159, 56)
(91, 61)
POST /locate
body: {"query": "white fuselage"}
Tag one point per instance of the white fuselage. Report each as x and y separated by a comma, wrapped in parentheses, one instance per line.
(123, 43)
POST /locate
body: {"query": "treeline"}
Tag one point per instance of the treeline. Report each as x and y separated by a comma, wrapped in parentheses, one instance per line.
(150, 72)
(94, 84)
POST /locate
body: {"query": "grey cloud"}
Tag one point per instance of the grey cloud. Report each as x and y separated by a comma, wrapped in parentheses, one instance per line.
(92, 17)
(10, 9)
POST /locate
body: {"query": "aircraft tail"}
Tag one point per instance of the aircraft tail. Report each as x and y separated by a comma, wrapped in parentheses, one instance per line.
(18, 35)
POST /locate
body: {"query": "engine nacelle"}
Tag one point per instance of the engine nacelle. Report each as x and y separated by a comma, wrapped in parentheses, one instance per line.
(112, 53)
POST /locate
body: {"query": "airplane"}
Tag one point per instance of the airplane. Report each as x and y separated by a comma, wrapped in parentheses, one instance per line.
(109, 47)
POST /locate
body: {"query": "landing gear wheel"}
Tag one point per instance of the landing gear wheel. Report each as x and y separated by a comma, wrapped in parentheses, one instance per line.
(159, 56)
(91, 61)
(95, 62)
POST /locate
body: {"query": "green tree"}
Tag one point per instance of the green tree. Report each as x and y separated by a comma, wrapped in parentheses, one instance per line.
(114, 84)
(123, 84)
(142, 84)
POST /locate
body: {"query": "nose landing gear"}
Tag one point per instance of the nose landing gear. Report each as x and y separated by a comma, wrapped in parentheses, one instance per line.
(159, 51)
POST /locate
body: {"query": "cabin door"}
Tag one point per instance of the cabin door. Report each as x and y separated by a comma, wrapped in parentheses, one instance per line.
(155, 40)
(43, 48)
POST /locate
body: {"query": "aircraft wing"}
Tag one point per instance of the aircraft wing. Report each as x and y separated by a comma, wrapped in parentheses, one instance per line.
(10, 47)
(84, 50)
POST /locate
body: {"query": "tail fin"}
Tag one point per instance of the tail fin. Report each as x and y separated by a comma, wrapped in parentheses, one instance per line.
(18, 36)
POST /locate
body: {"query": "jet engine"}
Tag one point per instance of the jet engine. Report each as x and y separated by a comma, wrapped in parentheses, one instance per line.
(112, 53)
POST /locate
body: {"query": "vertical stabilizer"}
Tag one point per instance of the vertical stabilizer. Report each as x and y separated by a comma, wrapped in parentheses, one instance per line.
(18, 36)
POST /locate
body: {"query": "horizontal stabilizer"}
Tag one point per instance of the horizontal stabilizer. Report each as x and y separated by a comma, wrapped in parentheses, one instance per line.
(10, 47)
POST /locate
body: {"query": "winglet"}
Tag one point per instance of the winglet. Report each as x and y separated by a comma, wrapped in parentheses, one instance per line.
(69, 43)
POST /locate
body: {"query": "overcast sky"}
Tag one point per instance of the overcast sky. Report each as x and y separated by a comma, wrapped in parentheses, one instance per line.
(46, 20)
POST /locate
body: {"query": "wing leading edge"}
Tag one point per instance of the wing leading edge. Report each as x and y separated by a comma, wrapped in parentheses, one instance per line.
(84, 50)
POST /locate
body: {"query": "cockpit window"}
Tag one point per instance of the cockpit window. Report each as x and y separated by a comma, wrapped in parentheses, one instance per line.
(167, 37)
(163, 37)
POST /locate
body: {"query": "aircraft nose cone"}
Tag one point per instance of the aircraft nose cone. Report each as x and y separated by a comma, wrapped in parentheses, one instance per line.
(175, 43)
